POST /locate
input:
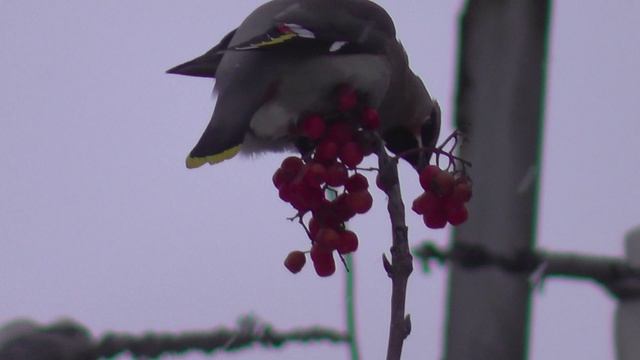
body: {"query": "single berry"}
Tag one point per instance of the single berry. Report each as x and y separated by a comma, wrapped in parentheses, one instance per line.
(292, 165)
(326, 152)
(315, 175)
(462, 191)
(340, 132)
(328, 238)
(295, 261)
(341, 208)
(357, 182)
(370, 118)
(435, 220)
(326, 215)
(323, 261)
(281, 178)
(286, 193)
(419, 204)
(313, 127)
(313, 197)
(427, 175)
(431, 203)
(336, 174)
(347, 98)
(442, 184)
(298, 199)
(457, 215)
(348, 242)
(351, 155)
(360, 202)
(314, 227)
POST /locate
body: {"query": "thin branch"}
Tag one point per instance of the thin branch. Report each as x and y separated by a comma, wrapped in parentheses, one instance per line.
(401, 265)
(616, 275)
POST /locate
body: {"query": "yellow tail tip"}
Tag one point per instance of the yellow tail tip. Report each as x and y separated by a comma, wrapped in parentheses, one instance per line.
(195, 162)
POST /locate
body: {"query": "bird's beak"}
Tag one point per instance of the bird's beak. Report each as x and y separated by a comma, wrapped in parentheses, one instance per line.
(202, 66)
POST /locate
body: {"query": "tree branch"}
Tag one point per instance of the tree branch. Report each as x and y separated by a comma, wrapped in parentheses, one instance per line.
(401, 265)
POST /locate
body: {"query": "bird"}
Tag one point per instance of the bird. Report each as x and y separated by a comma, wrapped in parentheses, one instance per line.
(283, 60)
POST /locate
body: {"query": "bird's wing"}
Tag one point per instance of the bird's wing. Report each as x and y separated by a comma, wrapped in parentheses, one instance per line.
(313, 26)
(295, 37)
(205, 65)
(243, 93)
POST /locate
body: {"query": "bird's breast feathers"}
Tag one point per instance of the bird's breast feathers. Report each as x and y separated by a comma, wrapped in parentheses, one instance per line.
(307, 87)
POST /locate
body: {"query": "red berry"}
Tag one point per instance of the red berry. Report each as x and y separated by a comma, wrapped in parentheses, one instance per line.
(442, 184)
(313, 127)
(292, 165)
(435, 219)
(314, 227)
(351, 155)
(298, 199)
(281, 177)
(360, 202)
(340, 133)
(357, 182)
(313, 197)
(336, 175)
(326, 215)
(323, 261)
(457, 215)
(462, 191)
(427, 175)
(348, 242)
(341, 209)
(419, 204)
(370, 118)
(431, 203)
(286, 193)
(327, 151)
(295, 261)
(328, 238)
(347, 98)
(315, 175)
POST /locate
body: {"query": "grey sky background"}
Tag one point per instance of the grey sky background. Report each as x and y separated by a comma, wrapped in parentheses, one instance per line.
(101, 222)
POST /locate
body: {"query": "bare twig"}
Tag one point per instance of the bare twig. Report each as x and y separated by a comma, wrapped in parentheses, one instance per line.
(400, 266)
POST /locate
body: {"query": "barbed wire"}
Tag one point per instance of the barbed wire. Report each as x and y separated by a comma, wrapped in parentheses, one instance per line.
(617, 276)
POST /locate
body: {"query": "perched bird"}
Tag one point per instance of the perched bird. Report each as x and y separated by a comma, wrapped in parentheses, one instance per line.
(285, 59)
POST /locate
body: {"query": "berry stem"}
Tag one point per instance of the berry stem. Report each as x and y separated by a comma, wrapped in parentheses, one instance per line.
(301, 222)
(401, 260)
(440, 151)
(366, 169)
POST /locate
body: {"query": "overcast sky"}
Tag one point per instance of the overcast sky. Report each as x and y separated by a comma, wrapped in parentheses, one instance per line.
(101, 222)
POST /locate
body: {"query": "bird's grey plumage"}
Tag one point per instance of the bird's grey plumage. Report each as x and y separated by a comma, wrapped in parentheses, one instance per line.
(263, 91)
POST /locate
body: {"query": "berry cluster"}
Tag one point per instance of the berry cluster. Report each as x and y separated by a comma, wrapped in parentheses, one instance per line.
(325, 181)
(444, 197)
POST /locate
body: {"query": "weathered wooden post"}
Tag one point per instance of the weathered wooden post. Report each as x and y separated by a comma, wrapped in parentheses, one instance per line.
(500, 106)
